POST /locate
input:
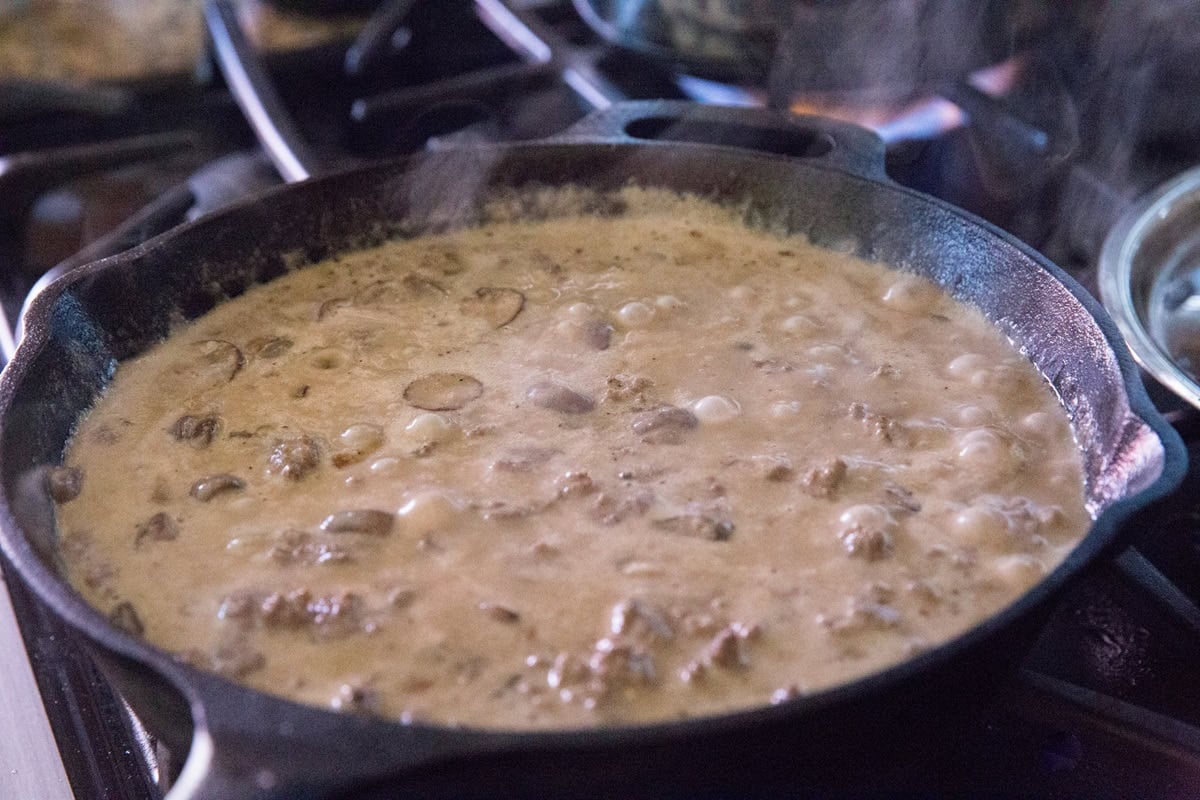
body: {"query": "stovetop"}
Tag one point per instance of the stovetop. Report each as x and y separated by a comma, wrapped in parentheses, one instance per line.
(1103, 705)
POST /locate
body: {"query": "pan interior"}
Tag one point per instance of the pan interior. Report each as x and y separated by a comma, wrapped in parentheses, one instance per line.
(664, 425)
(108, 314)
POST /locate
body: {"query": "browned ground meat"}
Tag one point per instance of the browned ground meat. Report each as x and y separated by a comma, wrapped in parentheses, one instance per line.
(294, 458)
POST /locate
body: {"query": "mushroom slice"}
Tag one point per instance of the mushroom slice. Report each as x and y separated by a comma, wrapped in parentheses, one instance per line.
(328, 307)
(269, 346)
(64, 483)
(664, 424)
(442, 391)
(418, 285)
(390, 291)
(495, 305)
(209, 487)
(556, 397)
(698, 526)
(524, 459)
(362, 520)
(500, 613)
(597, 334)
(199, 431)
(125, 617)
(727, 650)
(381, 292)
(159, 528)
(212, 361)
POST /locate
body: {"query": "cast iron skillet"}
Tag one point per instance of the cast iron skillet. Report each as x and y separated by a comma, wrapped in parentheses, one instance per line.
(817, 177)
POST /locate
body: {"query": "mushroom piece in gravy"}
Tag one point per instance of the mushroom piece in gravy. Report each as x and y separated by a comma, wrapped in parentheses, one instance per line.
(570, 472)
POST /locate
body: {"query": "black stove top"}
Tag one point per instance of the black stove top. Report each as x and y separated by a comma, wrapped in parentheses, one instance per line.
(1104, 704)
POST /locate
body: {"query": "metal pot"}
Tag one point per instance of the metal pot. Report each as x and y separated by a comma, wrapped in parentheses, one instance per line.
(815, 177)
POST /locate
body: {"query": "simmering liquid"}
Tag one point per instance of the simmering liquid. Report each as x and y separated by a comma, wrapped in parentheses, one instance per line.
(571, 472)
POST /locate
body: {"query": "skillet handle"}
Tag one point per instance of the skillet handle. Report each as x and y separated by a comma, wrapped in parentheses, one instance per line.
(822, 141)
(249, 746)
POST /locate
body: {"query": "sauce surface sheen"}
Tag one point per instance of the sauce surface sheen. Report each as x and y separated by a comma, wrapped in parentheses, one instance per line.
(571, 472)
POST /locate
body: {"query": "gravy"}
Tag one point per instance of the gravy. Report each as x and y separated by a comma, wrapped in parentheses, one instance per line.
(572, 472)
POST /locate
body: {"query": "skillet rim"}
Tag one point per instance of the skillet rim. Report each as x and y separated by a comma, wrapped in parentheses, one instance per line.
(195, 684)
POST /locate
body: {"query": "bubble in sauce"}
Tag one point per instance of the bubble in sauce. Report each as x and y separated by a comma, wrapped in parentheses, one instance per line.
(972, 415)
(785, 408)
(799, 324)
(1041, 425)
(909, 293)
(429, 511)
(741, 294)
(716, 408)
(363, 437)
(966, 365)
(668, 302)
(983, 447)
(431, 427)
(383, 466)
(797, 302)
(1018, 570)
(635, 314)
(829, 354)
(869, 517)
(581, 311)
(980, 527)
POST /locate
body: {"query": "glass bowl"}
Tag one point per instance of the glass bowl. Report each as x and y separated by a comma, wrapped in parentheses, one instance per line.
(1149, 275)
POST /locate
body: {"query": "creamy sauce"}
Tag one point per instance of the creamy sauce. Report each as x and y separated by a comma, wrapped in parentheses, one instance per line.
(573, 472)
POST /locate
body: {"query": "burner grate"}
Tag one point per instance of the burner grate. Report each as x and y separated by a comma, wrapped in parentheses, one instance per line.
(537, 56)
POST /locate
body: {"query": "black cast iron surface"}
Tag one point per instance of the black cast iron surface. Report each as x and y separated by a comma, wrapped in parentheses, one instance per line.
(267, 747)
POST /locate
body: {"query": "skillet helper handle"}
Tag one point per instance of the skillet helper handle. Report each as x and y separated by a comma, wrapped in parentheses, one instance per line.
(841, 145)
(248, 746)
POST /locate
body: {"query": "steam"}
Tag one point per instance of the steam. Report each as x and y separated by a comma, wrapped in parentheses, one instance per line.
(1134, 73)
(1140, 76)
(443, 188)
(889, 49)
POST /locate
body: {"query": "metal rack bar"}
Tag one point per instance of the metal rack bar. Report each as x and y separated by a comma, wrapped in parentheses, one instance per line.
(377, 36)
(459, 87)
(535, 41)
(1149, 728)
(1144, 574)
(255, 93)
